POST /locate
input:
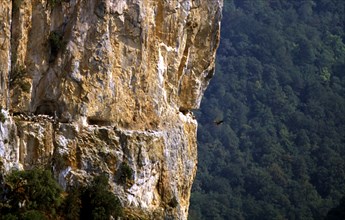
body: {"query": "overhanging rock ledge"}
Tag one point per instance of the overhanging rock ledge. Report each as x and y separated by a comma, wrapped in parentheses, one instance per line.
(91, 86)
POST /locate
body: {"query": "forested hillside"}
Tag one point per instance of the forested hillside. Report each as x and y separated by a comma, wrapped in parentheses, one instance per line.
(280, 89)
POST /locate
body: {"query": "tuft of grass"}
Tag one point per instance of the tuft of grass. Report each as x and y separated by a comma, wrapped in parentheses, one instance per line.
(16, 5)
(17, 79)
(126, 174)
(25, 86)
(53, 3)
(17, 73)
(56, 44)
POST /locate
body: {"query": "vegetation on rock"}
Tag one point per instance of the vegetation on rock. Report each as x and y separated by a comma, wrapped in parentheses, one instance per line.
(97, 202)
(18, 79)
(53, 3)
(126, 174)
(34, 194)
(56, 44)
(31, 194)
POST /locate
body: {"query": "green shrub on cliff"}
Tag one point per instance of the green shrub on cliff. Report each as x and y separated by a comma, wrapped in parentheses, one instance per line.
(30, 193)
(16, 76)
(53, 3)
(92, 202)
(35, 195)
(56, 44)
(126, 174)
(97, 202)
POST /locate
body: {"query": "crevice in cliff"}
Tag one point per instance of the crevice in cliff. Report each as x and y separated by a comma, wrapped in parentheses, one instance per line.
(13, 54)
(15, 33)
(56, 43)
(184, 110)
(47, 108)
(159, 20)
(190, 26)
(97, 121)
(182, 64)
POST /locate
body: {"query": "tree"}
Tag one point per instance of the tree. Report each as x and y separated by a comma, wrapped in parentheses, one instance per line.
(30, 193)
(97, 202)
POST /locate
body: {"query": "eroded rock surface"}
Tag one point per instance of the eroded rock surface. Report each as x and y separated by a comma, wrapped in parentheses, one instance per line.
(107, 86)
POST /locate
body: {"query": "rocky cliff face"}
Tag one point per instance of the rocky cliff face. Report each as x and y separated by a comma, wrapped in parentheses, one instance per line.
(90, 86)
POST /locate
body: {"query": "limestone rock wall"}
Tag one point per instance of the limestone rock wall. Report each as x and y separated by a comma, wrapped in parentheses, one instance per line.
(92, 86)
(5, 49)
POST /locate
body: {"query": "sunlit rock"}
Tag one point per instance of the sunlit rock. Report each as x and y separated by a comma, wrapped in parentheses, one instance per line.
(106, 86)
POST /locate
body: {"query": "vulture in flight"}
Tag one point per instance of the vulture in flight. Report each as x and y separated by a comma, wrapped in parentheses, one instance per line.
(218, 122)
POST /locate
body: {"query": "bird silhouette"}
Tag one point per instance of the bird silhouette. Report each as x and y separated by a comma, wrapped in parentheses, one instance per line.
(218, 122)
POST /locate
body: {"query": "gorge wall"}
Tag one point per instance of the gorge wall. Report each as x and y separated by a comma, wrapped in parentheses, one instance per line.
(106, 86)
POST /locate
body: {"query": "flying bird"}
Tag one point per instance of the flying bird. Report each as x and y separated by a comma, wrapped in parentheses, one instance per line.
(218, 122)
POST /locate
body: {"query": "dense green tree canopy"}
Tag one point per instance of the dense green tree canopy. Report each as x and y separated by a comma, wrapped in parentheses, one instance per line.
(280, 89)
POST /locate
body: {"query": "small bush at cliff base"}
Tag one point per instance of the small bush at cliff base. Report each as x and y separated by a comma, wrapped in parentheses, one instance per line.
(72, 204)
(95, 201)
(35, 195)
(98, 202)
(32, 194)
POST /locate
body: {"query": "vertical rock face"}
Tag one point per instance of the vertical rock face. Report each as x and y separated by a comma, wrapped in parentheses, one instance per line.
(5, 51)
(105, 86)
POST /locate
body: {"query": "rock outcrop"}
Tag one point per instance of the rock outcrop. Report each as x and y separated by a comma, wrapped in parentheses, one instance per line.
(106, 86)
